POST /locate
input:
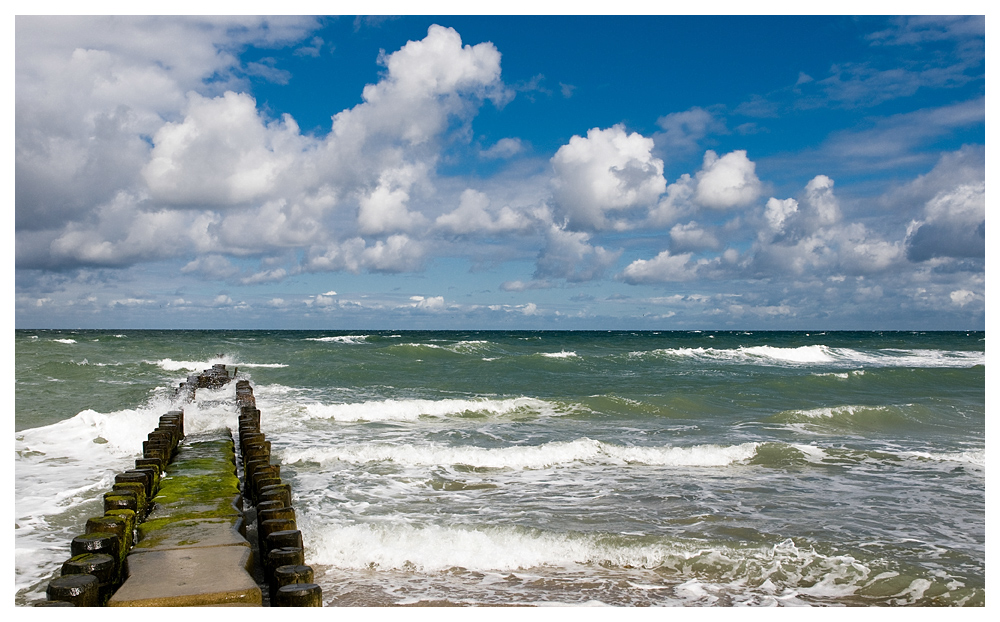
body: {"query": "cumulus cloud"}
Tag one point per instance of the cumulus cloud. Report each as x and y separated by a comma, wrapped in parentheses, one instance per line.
(823, 206)
(727, 182)
(606, 171)
(397, 253)
(676, 203)
(208, 172)
(432, 303)
(778, 211)
(473, 216)
(569, 255)
(663, 268)
(692, 237)
(90, 90)
(222, 153)
(385, 208)
(211, 266)
(954, 225)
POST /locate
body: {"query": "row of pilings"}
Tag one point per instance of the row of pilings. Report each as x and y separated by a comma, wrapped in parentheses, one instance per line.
(282, 554)
(96, 567)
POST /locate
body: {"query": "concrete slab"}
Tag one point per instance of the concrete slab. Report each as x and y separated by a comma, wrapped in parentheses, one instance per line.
(189, 577)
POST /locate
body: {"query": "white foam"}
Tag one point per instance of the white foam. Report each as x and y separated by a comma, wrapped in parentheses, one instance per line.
(559, 355)
(583, 450)
(828, 412)
(411, 410)
(825, 355)
(172, 365)
(974, 457)
(784, 571)
(341, 339)
(65, 340)
(812, 452)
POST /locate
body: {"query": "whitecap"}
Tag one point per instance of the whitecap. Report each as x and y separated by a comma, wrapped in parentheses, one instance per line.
(352, 339)
(548, 455)
(559, 355)
(413, 409)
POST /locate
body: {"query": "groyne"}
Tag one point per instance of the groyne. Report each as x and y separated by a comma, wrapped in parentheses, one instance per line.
(201, 520)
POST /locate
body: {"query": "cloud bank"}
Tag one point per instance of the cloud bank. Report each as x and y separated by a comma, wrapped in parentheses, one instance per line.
(138, 140)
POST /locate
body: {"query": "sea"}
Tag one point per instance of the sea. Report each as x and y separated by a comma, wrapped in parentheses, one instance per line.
(564, 468)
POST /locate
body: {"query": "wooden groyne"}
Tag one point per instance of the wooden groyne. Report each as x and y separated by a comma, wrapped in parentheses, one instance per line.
(199, 521)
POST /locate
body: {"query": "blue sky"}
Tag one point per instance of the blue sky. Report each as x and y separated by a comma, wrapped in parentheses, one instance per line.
(564, 172)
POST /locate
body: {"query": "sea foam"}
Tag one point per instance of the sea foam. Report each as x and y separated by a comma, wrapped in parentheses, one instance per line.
(823, 355)
(413, 409)
(547, 455)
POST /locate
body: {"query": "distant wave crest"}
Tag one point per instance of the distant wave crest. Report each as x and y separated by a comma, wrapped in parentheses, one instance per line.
(531, 457)
(341, 339)
(413, 409)
(824, 355)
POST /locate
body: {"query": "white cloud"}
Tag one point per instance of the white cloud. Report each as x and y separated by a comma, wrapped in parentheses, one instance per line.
(265, 276)
(606, 171)
(954, 225)
(384, 209)
(220, 178)
(473, 216)
(432, 303)
(777, 211)
(398, 253)
(962, 297)
(569, 255)
(211, 266)
(90, 89)
(663, 268)
(503, 148)
(691, 237)
(863, 252)
(727, 182)
(675, 204)
(682, 131)
(222, 153)
(820, 201)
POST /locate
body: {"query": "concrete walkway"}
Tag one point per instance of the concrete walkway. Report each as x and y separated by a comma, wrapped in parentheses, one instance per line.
(190, 551)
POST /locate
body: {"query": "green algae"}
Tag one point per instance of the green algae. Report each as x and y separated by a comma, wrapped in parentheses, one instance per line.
(139, 489)
(201, 484)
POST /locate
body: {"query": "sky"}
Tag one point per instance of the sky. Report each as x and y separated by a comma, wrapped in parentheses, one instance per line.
(505, 172)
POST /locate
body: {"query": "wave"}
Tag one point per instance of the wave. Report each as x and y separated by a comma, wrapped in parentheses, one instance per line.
(823, 355)
(693, 573)
(975, 457)
(413, 409)
(341, 339)
(779, 454)
(459, 347)
(172, 365)
(552, 454)
(559, 355)
(858, 418)
(64, 340)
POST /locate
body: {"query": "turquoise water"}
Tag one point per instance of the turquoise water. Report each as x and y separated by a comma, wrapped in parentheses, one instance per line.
(619, 468)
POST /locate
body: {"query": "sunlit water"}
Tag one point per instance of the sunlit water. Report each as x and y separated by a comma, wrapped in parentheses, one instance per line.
(619, 468)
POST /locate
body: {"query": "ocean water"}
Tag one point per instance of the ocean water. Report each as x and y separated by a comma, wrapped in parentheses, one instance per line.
(552, 468)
